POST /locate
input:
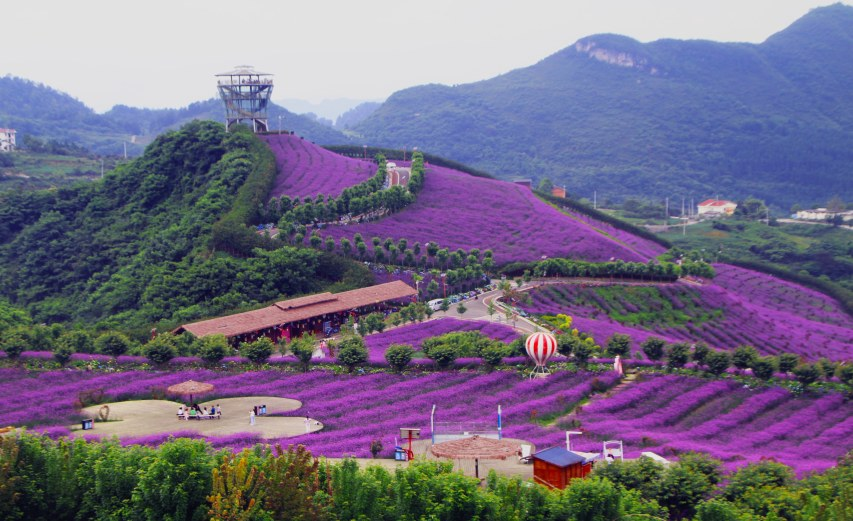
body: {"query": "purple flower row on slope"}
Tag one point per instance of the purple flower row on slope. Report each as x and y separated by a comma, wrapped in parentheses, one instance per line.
(786, 296)
(305, 169)
(414, 334)
(457, 210)
(748, 318)
(667, 414)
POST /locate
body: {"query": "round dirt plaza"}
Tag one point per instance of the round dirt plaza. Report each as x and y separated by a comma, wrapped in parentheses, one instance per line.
(136, 418)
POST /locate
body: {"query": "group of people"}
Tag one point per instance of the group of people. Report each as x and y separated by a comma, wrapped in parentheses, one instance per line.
(190, 412)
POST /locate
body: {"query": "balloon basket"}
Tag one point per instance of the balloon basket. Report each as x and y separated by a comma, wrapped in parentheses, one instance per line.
(540, 371)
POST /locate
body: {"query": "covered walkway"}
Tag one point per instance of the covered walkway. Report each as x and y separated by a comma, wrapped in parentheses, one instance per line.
(312, 314)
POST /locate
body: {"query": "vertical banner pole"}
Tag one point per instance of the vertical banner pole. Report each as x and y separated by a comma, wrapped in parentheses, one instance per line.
(432, 424)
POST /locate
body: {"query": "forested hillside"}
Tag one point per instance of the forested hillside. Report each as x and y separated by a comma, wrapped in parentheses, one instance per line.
(667, 118)
(135, 248)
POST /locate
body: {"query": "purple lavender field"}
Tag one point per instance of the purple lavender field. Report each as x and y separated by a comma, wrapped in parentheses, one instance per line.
(305, 169)
(665, 414)
(414, 334)
(671, 414)
(457, 210)
(354, 408)
(739, 307)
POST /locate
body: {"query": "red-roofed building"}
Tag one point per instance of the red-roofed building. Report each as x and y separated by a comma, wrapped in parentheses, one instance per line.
(716, 208)
(310, 314)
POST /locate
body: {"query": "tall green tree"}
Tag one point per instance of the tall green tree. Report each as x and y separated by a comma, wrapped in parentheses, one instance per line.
(352, 352)
(677, 355)
(176, 483)
(653, 347)
(398, 356)
(259, 351)
(160, 349)
(619, 344)
(112, 343)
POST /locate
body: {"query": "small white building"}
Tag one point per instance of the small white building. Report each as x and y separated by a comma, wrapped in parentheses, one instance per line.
(716, 208)
(815, 214)
(822, 214)
(7, 139)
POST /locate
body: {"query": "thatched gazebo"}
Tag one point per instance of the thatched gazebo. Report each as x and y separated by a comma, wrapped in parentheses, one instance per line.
(190, 387)
(476, 448)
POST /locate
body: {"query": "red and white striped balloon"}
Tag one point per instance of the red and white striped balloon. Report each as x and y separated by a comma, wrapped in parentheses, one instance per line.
(540, 347)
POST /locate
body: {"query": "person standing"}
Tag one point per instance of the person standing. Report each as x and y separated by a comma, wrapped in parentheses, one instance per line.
(252, 417)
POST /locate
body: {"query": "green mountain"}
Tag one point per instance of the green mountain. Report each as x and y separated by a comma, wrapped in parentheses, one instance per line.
(666, 118)
(144, 244)
(37, 110)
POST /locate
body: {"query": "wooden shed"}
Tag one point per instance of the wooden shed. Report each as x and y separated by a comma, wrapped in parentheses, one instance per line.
(556, 467)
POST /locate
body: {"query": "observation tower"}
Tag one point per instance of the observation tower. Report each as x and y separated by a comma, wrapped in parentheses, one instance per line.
(246, 94)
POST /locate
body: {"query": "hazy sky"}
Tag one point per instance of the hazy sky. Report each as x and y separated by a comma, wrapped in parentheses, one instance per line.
(158, 53)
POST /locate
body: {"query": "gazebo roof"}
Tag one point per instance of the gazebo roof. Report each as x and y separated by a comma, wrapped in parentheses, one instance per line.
(190, 387)
(476, 448)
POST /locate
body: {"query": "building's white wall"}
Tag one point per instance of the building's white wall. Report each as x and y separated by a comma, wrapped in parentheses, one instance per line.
(7, 140)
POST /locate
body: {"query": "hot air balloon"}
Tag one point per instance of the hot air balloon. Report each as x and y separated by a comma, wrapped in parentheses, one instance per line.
(540, 347)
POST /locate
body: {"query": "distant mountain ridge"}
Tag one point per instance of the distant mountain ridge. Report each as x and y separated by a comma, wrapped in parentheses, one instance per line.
(666, 118)
(669, 118)
(38, 110)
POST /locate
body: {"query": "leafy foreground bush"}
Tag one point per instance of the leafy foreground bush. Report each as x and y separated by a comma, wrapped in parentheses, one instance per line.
(187, 480)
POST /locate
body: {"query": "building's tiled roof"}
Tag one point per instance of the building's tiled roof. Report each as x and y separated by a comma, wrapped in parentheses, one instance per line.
(294, 310)
(560, 457)
(715, 202)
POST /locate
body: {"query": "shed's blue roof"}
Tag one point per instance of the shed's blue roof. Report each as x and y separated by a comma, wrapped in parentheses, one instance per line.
(559, 456)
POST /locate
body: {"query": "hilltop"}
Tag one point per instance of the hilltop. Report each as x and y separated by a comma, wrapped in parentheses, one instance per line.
(665, 118)
(144, 244)
(458, 211)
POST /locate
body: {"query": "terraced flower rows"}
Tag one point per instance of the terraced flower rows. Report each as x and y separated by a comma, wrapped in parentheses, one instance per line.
(457, 210)
(414, 334)
(744, 308)
(782, 295)
(305, 169)
(666, 414)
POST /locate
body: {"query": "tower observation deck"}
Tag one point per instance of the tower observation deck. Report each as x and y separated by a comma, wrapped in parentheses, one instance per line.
(246, 94)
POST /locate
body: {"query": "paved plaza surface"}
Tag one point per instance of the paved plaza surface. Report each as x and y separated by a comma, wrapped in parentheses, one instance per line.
(147, 417)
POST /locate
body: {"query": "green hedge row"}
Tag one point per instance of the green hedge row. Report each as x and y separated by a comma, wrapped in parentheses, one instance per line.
(397, 155)
(232, 233)
(601, 216)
